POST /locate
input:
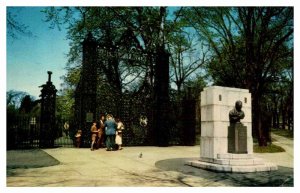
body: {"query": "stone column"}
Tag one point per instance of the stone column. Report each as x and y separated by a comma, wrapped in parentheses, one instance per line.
(48, 121)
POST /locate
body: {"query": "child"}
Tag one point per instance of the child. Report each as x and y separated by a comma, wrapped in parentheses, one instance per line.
(78, 138)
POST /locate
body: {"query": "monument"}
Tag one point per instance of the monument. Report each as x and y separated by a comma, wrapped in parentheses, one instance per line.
(226, 143)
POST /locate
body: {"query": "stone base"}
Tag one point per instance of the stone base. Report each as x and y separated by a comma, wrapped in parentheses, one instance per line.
(233, 163)
(237, 138)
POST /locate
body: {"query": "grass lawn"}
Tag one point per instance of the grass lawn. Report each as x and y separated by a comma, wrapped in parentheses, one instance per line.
(267, 149)
(273, 148)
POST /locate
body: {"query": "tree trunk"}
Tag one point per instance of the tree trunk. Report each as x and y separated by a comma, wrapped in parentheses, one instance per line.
(283, 114)
(275, 118)
(258, 129)
(290, 120)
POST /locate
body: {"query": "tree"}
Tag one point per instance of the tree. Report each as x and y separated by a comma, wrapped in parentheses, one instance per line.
(13, 102)
(120, 35)
(14, 98)
(65, 99)
(65, 104)
(15, 28)
(128, 39)
(187, 57)
(249, 46)
(27, 104)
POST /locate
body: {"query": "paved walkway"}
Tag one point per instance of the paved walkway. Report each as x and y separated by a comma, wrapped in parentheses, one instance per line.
(286, 158)
(144, 167)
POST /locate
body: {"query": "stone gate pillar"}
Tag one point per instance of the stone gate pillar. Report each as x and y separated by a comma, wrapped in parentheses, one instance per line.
(188, 134)
(47, 123)
(86, 90)
(161, 98)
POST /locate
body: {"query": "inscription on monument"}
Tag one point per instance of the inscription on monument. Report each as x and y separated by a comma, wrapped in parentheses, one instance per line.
(237, 138)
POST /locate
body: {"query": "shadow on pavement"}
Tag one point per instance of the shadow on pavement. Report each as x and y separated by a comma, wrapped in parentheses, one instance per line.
(29, 158)
(284, 176)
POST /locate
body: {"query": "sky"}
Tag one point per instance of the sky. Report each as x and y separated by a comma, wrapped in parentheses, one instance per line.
(29, 58)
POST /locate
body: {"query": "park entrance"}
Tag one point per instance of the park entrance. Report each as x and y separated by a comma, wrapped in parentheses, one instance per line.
(152, 114)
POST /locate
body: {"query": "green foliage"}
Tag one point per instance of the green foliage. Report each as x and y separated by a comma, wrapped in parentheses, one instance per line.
(248, 43)
(26, 104)
(20, 108)
(196, 85)
(252, 48)
(21, 102)
(267, 149)
(135, 34)
(65, 104)
(244, 47)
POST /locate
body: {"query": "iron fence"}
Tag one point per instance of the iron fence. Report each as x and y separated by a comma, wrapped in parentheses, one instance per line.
(23, 132)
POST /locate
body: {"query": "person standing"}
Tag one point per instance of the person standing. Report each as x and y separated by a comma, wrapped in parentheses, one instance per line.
(94, 132)
(100, 141)
(110, 130)
(78, 138)
(120, 127)
(66, 129)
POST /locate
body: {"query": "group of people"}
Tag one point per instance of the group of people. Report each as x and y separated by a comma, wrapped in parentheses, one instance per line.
(107, 133)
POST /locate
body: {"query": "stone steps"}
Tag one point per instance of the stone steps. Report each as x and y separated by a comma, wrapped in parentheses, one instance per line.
(232, 168)
(246, 162)
(233, 163)
(234, 156)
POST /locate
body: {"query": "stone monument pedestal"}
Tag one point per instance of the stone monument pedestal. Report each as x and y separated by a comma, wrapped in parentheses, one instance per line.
(227, 147)
(237, 138)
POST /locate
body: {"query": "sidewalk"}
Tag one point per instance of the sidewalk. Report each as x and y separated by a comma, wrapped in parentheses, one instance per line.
(157, 167)
(286, 158)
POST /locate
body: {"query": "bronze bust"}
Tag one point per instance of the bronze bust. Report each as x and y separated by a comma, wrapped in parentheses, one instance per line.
(236, 114)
